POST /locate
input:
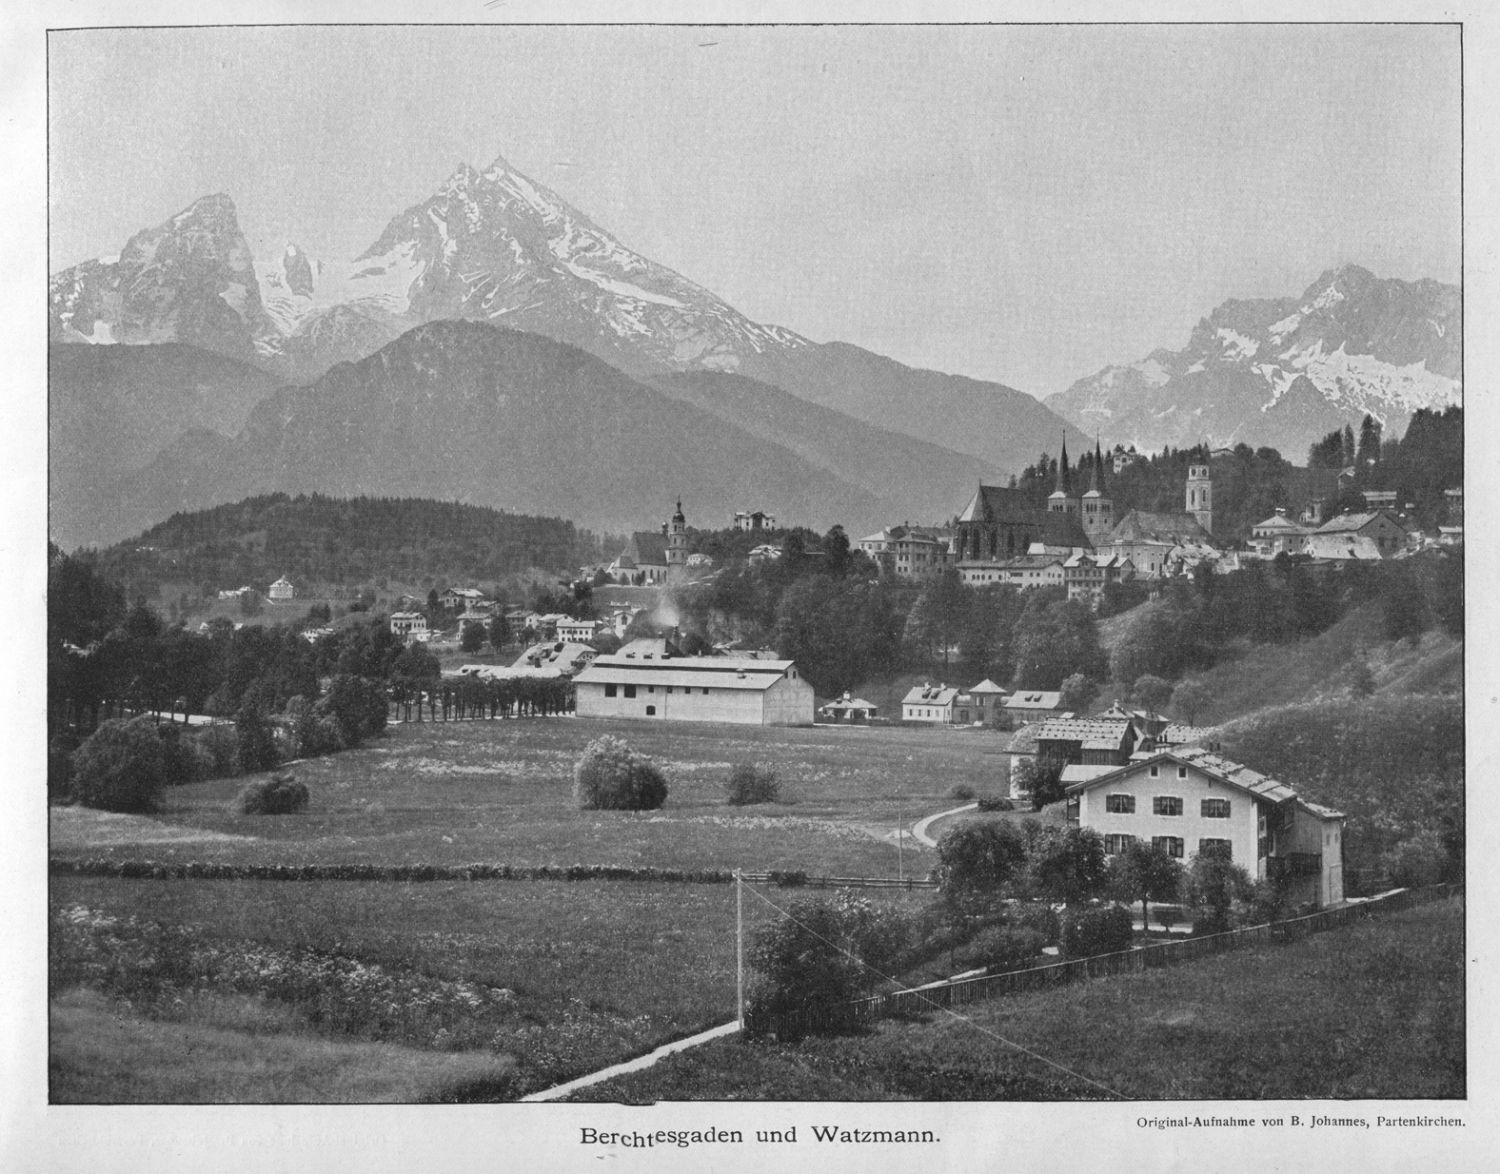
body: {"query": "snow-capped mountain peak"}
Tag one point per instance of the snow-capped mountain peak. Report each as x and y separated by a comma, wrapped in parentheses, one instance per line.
(493, 245)
(1284, 371)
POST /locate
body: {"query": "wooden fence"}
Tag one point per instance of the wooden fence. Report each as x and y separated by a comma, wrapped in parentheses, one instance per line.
(793, 1025)
(796, 880)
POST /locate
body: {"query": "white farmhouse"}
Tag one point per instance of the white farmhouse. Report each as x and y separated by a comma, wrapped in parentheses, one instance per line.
(1191, 799)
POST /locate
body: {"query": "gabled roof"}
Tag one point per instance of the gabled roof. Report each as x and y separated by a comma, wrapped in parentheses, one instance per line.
(930, 695)
(1144, 526)
(1222, 769)
(1033, 699)
(855, 703)
(1082, 729)
(1353, 523)
(1280, 522)
(987, 686)
(719, 672)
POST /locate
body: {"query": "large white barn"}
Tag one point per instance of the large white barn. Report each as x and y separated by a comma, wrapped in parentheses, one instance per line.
(647, 679)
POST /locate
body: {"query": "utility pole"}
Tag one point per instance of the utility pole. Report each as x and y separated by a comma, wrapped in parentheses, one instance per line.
(739, 948)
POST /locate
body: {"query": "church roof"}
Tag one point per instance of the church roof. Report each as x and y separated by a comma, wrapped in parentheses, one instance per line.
(1144, 526)
(648, 548)
(994, 504)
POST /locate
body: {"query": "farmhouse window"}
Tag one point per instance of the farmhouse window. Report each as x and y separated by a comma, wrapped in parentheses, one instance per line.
(1155, 772)
(650, 711)
(669, 690)
(1167, 805)
(629, 690)
(1215, 809)
(1120, 804)
(1171, 844)
(1115, 844)
(610, 690)
(705, 690)
(1224, 847)
(1182, 772)
(650, 688)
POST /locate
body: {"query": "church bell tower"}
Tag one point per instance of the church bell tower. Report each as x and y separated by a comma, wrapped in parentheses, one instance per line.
(1200, 496)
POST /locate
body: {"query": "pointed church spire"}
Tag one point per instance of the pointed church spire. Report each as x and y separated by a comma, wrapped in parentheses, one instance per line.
(1096, 480)
(1063, 479)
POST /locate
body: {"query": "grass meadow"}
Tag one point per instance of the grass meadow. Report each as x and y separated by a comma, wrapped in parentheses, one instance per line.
(444, 989)
(501, 792)
(1371, 1011)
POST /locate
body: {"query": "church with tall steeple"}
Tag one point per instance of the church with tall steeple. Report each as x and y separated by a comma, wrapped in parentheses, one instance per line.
(677, 542)
(1098, 508)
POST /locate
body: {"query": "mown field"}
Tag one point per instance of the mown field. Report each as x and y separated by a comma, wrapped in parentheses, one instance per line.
(548, 980)
(501, 791)
(1371, 1011)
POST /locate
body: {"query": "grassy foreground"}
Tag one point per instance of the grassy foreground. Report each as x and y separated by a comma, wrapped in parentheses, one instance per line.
(103, 1055)
(500, 791)
(550, 980)
(1376, 1010)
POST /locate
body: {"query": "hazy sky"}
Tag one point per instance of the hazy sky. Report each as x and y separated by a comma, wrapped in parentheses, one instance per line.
(1023, 204)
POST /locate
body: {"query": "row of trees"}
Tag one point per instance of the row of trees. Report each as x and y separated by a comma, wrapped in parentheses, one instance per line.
(126, 764)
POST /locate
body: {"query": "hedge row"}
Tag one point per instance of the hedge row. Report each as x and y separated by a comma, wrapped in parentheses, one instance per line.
(207, 870)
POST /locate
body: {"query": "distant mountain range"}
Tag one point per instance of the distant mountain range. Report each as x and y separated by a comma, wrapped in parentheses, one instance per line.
(465, 411)
(355, 387)
(1283, 372)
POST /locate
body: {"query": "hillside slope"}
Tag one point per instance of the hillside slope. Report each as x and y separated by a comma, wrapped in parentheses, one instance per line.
(464, 411)
(113, 409)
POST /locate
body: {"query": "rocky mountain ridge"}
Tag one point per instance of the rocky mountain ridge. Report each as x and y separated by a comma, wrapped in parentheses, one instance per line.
(1284, 371)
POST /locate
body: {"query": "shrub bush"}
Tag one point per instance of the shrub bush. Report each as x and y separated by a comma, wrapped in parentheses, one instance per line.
(1418, 860)
(995, 803)
(962, 792)
(120, 767)
(277, 795)
(1003, 948)
(1042, 920)
(180, 764)
(1103, 929)
(818, 959)
(610, 776)
(256, 740)
(980, 855)
(357, 704)
(748, 785)
(220, 745)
